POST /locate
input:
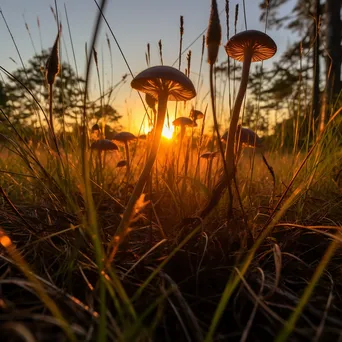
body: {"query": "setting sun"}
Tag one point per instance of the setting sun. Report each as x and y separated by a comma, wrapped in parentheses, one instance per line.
(168, 131)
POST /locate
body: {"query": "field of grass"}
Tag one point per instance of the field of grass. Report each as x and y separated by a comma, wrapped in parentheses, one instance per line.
(263, 264)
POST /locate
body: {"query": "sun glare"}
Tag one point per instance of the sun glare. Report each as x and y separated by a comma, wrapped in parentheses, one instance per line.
(168, 132)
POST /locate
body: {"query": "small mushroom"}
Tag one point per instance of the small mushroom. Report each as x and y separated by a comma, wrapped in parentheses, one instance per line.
(165, 84)
(125, 138)
(196, 114)
(182, 122)
(103, 145)
(246, 136)
(121, 163)
(95, 131)
(95, 127)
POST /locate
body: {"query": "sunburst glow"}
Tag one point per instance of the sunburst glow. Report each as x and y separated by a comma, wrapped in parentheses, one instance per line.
(168, 131)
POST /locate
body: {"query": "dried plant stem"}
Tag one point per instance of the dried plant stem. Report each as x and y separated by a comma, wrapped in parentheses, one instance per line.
(51, 115)
(91, 211)
(295, 315)
(128, 167)
(54, 138)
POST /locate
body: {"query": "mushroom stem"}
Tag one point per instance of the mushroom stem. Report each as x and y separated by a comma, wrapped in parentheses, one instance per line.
(230, 155)
(180, 142)
(127, 215)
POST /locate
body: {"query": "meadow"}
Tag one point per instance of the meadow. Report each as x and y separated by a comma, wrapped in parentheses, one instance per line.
(199, 233)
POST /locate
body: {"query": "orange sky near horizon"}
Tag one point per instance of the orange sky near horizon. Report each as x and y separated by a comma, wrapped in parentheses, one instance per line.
(134, 25)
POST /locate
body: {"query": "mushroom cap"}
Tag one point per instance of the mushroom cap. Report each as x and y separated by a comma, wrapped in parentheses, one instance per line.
(262, 45)
(155, 79)
(183, 121)
(247, 137)
(121, 163)
(95, 127)
(208, 155)
(196, 114)
(124, 137)
(142, 136)
(104, 145)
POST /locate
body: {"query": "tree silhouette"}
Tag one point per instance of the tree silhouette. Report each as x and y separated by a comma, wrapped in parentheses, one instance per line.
(3, 96)
(318, 24)
(107, 113)
(67, 96)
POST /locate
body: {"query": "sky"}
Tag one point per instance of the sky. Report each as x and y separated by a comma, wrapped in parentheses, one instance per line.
(134, 24)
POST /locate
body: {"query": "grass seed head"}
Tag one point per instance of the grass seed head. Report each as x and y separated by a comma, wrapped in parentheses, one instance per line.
(213, 34)
(53, 64)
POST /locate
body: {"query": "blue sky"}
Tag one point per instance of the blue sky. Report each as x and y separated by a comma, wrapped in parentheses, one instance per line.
(134, 23)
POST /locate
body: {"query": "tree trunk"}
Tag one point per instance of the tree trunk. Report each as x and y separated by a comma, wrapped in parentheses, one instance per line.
(333, 56)
(316, 65)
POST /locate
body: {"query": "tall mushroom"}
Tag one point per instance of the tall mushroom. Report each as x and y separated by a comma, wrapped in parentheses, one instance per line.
(125, 137)
(248, 46)
(165, 84)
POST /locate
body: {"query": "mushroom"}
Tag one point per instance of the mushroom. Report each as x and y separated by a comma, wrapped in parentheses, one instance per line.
(209, 156)
(125, 137)
(248, 46)
(121, 163)
(103, 145)
(245, 137)
(95, 130)
(181, 122)
(95, 127)
(163, 83)
(248, 137)
(196, 114)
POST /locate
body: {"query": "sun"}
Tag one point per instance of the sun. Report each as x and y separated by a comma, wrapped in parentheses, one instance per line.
(168, 131)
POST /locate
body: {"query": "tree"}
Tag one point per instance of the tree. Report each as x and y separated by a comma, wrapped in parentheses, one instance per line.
(108, 117)
(319, 25)
(67, 95)
(333, 59)
(3, 96)
(108, 114)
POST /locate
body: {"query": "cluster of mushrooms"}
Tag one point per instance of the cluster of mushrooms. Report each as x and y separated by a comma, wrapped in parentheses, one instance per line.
(164, 83)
